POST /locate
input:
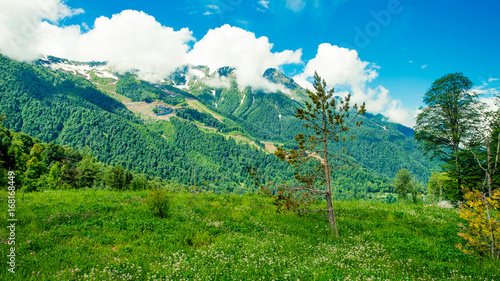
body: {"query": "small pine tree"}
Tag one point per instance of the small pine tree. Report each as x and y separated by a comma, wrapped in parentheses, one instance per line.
(327, 120)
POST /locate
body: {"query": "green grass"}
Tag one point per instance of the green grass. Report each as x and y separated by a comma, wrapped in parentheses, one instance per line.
(107, 235)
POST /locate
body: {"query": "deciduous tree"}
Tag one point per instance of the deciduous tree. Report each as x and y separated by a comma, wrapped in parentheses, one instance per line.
(483, 142)
(445, 124)
(482, 214)
(403, 183)
(435, 186)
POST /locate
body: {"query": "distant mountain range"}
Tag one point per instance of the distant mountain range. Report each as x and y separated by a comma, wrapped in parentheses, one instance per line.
(88, 104)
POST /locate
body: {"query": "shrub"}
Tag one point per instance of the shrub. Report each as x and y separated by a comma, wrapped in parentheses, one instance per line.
(158, 202)
(482, 214)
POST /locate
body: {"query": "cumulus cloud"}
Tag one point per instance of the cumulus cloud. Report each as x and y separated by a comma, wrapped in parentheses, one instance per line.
(235, 47)
(342, 68)
(129, 40)
(133, 40)
(338, 67)
(492, 80)
(397, 112)
(424, 66)
(21, 21)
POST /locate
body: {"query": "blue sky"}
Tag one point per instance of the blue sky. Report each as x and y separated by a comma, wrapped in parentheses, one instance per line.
(407, 44)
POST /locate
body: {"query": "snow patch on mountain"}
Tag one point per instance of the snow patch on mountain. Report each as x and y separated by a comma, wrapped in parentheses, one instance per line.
(100, 69)
(241, 103)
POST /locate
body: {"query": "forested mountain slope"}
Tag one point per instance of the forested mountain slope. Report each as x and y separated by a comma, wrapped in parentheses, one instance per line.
(56, 105)
(380, 146)
(66, 109)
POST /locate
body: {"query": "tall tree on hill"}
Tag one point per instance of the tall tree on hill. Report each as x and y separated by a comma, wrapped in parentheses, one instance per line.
(444, 126)
(326, 119)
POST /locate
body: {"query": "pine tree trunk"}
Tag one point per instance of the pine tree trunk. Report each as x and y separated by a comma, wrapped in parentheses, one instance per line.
(331, 215)
(329, 203)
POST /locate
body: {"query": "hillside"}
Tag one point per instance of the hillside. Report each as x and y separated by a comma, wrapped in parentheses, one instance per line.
(69, 110)
(217, 133)
(381, 147)
(105, 235)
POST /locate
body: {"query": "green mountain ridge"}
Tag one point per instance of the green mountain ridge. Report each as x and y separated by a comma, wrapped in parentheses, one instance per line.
(381, 146)
(54, 105)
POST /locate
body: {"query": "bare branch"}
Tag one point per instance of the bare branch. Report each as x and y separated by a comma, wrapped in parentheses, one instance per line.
(477, 159)
(498, 152)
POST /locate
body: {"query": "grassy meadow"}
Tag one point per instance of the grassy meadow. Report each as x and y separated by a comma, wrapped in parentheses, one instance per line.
(110, 235)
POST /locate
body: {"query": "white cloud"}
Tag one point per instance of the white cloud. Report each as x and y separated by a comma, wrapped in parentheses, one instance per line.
(235, 47)
(295, 5)
(489, 96)
(492, 80)
(134, 40)
(339, 67)
(488, 92)
(397, 113)
(20, 23)
(342, 68)
(213, 7)
(491, 103)
(264, 3)
(410, 61)
(217, 82)
(129, 40)
(425, 66)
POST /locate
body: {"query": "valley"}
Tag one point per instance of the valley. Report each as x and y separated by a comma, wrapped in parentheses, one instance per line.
(256, 123)
(249, 140)
(99, 149)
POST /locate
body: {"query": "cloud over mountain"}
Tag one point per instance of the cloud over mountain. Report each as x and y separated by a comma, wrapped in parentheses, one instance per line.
(342, 69)
(129, 40)
(235, 47)
(133, 40)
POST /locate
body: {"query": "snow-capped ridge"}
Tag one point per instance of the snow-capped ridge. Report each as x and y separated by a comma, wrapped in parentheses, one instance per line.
(100, 69)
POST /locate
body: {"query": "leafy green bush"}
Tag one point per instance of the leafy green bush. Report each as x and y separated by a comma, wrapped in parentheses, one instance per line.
(158, 202)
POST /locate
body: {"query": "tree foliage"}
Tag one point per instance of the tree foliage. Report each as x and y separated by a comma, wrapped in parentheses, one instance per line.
(485, 147)
(327, 120)
(436, 186)
(447, 122)
(404, 183)
(483, 217)
(158, 202)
